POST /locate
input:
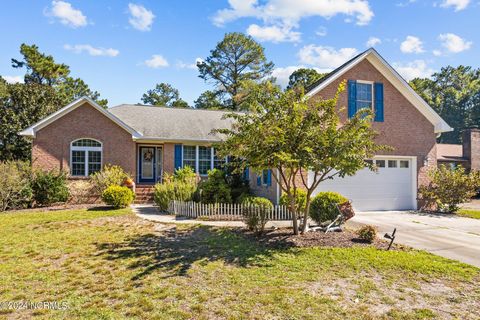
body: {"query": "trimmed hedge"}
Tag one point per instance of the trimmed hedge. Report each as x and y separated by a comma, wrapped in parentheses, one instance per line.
(117, 196)
(323, 206)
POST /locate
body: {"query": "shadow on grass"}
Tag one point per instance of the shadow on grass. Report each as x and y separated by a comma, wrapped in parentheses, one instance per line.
(175, 251)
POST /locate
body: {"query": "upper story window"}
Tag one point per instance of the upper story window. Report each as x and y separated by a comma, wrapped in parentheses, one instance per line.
(85, 157)
(364, 95)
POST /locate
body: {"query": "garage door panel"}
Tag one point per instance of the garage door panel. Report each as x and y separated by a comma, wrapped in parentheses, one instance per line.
(384, 189)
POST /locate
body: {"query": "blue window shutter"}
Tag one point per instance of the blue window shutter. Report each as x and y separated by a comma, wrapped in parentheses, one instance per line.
(259, 180)
(246, 174)
(352, 98)
(178, 156)
(378, 102)
(269, 177)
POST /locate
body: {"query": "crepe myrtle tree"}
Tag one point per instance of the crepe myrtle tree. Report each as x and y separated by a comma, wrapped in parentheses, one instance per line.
(291, 133)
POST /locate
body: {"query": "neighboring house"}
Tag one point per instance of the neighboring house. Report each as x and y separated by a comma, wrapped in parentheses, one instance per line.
(466, 154)
(148, 141)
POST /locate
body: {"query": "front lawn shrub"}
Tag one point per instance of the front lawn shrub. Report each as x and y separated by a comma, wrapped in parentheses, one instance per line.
(255, 213)
(300, 200)
(109, 176)
(215, 189)
(82, 191)
(181, 186)
(15, 188)
(323, 207)
(448, 188)
(367, 233)
(118, 196)
(49, 187)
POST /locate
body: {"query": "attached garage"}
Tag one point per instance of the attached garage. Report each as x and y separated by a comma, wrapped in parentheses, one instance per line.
(392, 187)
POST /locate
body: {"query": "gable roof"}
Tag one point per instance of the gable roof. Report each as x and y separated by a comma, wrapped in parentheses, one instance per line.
(173, 124)
(393, 76)
(31, 131)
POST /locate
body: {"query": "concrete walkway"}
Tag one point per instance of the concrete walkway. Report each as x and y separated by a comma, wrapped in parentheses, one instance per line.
(445, 235)
(151, 213)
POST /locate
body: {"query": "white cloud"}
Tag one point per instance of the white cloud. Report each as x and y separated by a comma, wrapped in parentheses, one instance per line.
(282, 74)
(141, 18)
(13, 79)
(457, 4)
(67, 14)
(372, 42)
(321, 32)
(454, 43)
(292, 11)
(274, 34)
(412, 45)
(93, 51)
(414, 69)
(157, 61)
(325, 57)
(437, 53)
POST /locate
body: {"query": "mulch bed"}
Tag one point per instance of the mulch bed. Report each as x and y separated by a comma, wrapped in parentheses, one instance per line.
(284, 238)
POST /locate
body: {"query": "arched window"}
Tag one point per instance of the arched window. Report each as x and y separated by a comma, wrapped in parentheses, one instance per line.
(85, 157)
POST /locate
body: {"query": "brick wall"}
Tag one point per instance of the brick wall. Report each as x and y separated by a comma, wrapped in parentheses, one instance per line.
(51, 146)
(471, 147)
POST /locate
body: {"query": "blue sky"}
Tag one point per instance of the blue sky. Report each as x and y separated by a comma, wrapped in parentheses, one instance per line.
(122, 48)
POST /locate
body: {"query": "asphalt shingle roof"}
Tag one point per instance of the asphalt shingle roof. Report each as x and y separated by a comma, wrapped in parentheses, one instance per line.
(172, 123)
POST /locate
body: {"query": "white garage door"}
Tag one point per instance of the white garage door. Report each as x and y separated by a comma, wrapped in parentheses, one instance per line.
(390, 188)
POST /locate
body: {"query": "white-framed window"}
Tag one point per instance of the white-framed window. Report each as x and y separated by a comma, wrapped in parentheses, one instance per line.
(204, 159)
(380, 163)
(85, 157)
(392, 163)
(218, 163)
(364, 94)
(190, 157)
(404, 163)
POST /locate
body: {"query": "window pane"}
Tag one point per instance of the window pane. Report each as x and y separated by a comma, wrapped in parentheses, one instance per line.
(218, 163)
(380, 163)
(364, 91)
(392, 163)
(205, 159)
(363, 104)
(404, 163)
(94, 161)
(369, 161)
(189, 156)
(264, 176)
(86, 143)
(78, 163)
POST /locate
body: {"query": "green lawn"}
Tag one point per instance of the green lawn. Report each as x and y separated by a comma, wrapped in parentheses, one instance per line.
(469, 213)
(110, 264)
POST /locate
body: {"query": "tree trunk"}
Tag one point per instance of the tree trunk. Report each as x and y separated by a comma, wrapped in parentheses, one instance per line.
(293, 210)
(305, 216)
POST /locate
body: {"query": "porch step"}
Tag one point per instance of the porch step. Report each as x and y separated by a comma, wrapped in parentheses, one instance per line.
(144, 194)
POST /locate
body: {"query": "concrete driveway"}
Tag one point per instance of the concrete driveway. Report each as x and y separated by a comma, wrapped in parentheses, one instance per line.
(448, 236)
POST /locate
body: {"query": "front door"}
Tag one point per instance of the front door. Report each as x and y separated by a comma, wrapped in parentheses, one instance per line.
(147, 164)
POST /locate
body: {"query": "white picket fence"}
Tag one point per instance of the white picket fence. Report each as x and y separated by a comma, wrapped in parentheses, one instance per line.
(223, 211)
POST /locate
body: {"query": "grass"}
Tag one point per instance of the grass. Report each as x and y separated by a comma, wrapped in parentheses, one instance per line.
(110, 264)
(469, 213)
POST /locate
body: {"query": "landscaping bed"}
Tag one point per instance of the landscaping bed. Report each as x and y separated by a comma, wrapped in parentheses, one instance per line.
(284, 238)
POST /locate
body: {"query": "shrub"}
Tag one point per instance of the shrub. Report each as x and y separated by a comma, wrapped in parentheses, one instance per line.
(255, 213)
(300, 200)
(172, 190)
(118, 196)
(215, 189)
(109, 176)
(186, 175)
(323, 207)
(49, 187)
(82, 191)
(15, 189)
(448, 188)
(367, 233)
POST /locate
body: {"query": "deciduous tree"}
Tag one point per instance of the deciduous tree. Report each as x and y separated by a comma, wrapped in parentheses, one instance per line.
(291, 134)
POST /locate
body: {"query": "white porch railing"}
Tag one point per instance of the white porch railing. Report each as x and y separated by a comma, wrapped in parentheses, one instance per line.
(223, 211)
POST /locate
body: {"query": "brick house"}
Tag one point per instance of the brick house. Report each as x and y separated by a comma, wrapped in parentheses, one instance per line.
(148, 141)
(466, 154)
